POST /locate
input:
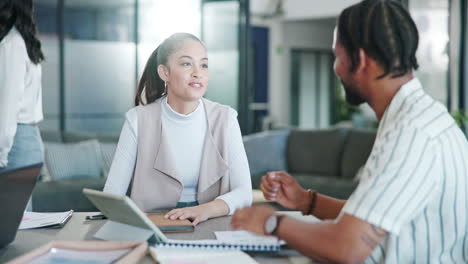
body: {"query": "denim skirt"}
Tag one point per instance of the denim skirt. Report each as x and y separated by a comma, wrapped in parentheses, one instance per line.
(27, 148)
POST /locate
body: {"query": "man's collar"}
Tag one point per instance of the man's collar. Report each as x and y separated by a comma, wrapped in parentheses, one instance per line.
(406, 90)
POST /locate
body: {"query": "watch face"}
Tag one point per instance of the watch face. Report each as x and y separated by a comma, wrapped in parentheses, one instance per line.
(271, 223)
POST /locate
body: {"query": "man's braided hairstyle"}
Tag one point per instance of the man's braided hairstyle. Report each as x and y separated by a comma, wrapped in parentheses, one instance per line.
(385, 31)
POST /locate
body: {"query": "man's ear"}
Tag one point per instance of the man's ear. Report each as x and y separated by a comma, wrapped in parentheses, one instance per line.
(363, 61)
(163, 72)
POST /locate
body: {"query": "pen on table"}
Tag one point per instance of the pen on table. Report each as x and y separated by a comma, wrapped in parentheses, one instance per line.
(96, 217)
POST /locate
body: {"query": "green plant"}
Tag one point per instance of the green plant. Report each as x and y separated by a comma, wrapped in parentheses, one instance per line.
(460, 116)
(344, 110)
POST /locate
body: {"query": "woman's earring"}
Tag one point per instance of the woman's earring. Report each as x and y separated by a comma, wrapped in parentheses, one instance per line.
(165, 88)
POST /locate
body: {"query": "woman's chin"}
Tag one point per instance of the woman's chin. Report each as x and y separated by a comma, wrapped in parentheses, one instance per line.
(188, 95)
(196, 95)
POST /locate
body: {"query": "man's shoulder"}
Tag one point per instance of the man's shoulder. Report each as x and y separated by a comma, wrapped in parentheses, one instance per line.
(428, 117)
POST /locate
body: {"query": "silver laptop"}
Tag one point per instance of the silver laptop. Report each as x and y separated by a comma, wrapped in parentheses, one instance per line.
(16, 187)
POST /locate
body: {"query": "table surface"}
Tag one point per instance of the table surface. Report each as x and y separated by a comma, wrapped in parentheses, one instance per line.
(78, 229)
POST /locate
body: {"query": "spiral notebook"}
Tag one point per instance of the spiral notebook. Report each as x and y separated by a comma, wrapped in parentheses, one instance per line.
(123, 214)
(266, 245)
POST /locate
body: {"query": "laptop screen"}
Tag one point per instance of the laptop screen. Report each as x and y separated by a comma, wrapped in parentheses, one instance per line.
(16, 187)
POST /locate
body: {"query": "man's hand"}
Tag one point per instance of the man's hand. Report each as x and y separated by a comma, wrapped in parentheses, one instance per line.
(195, 213)
(283, 188)
(252, 218)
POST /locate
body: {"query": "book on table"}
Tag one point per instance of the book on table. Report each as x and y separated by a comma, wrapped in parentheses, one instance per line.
(85, 252)
(196, 255)
(171, 226)
(128, 222)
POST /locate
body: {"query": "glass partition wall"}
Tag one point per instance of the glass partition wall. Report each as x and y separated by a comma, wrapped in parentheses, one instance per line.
(46, 18)
(312, 99)
(432, 20)
(442, 52)
(221, 17)
(225, 25)
(96, 51)
(99, 55)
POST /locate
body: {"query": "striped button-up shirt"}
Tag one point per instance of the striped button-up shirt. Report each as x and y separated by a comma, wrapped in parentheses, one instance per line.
(414, 184)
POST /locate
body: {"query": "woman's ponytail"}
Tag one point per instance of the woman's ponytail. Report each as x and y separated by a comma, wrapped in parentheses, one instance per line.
(150, 83)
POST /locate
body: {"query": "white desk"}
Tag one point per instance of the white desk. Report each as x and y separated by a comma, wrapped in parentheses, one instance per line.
(78, 228)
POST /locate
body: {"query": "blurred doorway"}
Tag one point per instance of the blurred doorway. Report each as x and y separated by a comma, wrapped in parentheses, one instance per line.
(259, 38)
(312, 88)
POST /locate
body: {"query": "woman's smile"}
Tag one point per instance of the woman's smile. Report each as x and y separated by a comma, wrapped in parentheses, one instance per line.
(196, 84)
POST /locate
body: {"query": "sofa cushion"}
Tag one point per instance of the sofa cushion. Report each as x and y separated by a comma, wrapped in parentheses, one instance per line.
(315, 151)
(108, 138)
(332, 186)
(66, 161)
(266, 152)
(108, 151)
(357, 149)
(75, 136)
(59, 196)
(78, 136)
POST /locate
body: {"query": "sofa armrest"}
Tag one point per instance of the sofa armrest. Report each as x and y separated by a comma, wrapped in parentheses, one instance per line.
(357, 149)
(63, 195)
(266, 151)
(316, 151)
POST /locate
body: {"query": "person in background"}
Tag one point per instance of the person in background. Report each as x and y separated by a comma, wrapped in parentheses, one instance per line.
(20, 86)
(178, 149)
(411, 204)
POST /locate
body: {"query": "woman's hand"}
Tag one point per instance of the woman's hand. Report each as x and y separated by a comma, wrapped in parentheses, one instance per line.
(199, 213)
(195, 213)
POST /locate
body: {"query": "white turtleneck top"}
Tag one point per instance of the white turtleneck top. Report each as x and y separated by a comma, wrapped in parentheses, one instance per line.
(186, 134)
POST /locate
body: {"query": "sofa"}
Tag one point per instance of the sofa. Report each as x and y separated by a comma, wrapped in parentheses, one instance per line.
(323, 160)
(73, 161)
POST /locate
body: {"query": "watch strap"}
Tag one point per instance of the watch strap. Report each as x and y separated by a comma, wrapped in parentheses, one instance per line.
(279, 218)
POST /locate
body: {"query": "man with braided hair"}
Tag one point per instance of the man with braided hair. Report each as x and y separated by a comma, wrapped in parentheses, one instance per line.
(411, 203)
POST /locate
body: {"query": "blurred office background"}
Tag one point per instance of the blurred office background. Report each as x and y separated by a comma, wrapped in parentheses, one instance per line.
(271, 60)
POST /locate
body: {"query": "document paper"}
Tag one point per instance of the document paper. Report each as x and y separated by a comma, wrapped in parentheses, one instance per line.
(199, 256)
(37, 220)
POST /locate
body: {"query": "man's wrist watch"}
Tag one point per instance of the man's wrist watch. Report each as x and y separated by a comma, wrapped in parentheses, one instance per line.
(272, 224)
